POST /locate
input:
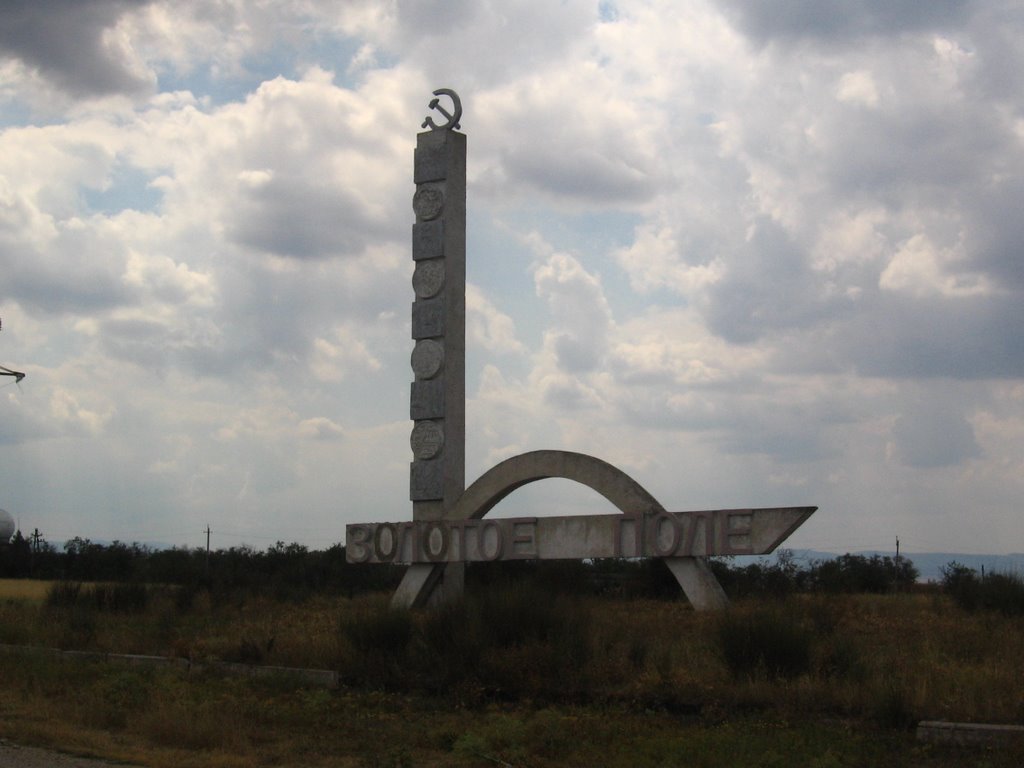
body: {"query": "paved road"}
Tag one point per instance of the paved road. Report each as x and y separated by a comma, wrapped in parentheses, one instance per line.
(14, 756)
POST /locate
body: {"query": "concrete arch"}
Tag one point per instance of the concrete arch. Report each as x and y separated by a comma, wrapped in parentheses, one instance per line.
(502, 479)
(420, 581)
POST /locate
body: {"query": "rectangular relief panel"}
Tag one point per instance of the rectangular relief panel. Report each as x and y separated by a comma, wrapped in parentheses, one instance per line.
(428, 320)
(426, 480)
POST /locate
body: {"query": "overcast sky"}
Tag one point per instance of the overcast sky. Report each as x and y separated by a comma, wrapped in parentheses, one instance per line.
(753, 253)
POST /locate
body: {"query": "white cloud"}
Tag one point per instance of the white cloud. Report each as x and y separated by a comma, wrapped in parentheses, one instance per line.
(581, 315)
(488, 327)
(772, 254)
(343, 355)
(320, 428)
(655, 260)
(918, 268)
(858, 88)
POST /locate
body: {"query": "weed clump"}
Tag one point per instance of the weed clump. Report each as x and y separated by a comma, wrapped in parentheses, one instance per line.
(378, 637)
(130, 597)
(507, 642)
(892, 707)
(63, 594)
(767, 642)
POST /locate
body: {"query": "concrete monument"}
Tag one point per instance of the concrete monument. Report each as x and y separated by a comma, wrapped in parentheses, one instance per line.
(447, 529)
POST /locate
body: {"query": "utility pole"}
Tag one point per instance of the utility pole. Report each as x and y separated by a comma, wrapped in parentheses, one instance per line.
(897, 563)
(207, 568)
(36, 538)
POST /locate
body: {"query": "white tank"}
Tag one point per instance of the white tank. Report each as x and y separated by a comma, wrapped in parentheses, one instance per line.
(6, 527)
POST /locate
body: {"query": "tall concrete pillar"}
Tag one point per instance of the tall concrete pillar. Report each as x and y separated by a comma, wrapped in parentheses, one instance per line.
(437, 475)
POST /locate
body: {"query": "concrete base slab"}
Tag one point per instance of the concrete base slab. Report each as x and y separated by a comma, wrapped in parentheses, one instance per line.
(970, 734)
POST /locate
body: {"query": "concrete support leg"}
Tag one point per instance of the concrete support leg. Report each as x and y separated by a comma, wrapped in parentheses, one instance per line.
(450, 587)
(430, 585)
(698, 582)
(417, 584)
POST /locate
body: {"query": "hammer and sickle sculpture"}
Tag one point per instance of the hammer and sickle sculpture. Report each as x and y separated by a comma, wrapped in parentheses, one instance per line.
(453, 117)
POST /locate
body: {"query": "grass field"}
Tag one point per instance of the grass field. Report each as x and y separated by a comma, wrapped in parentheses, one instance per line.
(23, 589)
(518, 678)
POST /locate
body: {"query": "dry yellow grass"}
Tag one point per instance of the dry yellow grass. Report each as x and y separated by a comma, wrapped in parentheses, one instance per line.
(660, 692)
(23, 589)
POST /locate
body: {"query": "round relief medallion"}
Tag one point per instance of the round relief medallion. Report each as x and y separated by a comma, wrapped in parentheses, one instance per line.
(427, 439)
(427, 359)
(428, 202)
(428, 278)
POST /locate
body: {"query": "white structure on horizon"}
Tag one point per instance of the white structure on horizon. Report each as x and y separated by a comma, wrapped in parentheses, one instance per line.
(7, 527)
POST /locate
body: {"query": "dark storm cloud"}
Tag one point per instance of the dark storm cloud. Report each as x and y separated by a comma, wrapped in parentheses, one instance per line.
(575, 355)
(142, 342)
(768, 287)
(996, 235)
(79, 275)
(437, 17)
(580, 173)
(927, 437)
(917, 148)
(996, 33)
(269, 319)
(795, 441)
(264, 319)
(753, 416)
(51, 291)
(294, 217)
(428, 31)
(64, 41)
(842, 20)
(21, 426)
(975, 337)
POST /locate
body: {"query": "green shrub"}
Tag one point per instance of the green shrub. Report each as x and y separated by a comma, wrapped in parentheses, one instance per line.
(962, 584)
(778, 579)
(843, 660)
(1003, 592)
(766, 642)
(848, 573)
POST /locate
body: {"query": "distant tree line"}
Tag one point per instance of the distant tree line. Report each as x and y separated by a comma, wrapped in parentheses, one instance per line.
(285, 570)
(293, 570)
(1003, 592)
(847, 573)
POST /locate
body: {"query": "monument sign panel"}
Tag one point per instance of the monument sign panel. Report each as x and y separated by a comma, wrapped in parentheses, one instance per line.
(579, 537)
